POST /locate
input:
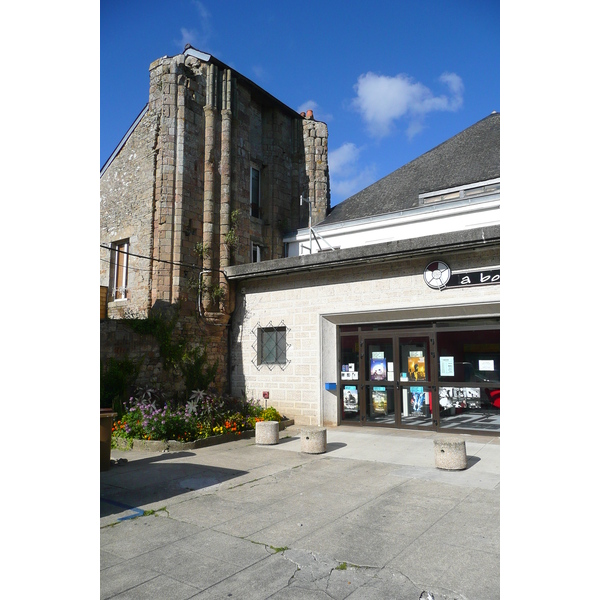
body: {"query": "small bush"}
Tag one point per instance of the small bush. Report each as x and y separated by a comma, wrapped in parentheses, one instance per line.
(198, 373)
(270, 414)
(117, 376)
(147, 416)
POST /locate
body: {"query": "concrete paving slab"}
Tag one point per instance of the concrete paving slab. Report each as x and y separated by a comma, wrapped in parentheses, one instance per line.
(247, 521)
(137, 536)
(225, 548)
(181, 564)
(119, 579)
(211, 509)
(259, 582)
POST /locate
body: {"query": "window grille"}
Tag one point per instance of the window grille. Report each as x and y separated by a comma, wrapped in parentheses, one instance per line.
(270, 346)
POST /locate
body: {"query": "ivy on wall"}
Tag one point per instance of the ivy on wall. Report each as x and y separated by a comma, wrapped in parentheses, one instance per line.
(182, 360)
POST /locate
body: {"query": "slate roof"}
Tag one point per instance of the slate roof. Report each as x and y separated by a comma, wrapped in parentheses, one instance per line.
(471, 156)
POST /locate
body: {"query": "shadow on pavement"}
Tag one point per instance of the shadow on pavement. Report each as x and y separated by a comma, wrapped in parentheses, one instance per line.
(472, 460)
(335, 446)
(129, 485)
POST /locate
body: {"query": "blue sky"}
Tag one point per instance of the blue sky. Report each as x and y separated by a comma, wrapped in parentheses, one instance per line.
(391, 79)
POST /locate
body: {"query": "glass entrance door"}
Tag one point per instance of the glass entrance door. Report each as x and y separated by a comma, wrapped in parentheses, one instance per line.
(414, 382)
(387, 380)
(442, 376)
(379, 376)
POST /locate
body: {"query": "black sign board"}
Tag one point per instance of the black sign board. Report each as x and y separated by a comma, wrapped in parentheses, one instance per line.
(474, 278)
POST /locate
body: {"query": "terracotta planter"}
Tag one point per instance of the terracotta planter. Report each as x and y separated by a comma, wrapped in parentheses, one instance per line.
(106, 422)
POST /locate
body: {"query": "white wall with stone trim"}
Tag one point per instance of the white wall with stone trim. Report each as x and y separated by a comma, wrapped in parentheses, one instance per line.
(311, 303)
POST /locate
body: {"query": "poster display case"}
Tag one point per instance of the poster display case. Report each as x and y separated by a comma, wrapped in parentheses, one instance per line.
(440, 376)
(380, 404)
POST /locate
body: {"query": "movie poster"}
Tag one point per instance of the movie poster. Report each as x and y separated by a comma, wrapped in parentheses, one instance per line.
(378, 369)
(350, 398)
(379, 400)
(417, 403)
(416, 368)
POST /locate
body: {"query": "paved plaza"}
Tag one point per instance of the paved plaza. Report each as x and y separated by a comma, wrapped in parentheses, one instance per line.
(370, 519)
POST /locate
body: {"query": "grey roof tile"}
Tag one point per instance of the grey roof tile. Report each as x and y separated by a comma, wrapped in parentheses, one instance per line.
(470, 156)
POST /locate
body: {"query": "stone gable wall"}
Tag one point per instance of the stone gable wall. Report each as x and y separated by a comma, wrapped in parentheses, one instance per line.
(182, 173)
(126, 194)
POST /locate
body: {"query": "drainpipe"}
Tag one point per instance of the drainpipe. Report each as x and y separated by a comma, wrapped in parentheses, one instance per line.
(209, 180)
(225, 216)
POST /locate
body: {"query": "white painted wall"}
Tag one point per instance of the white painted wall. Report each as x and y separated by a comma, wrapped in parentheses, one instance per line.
(311, 303)
(418, 222)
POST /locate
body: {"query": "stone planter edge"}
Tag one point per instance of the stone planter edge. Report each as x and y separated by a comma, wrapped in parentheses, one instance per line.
(175, 446)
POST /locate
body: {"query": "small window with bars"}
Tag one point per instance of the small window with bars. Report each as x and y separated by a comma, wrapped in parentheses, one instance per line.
(272, 346)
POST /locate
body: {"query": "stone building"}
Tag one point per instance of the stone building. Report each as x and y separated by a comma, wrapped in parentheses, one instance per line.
(208, 176)
(382, 311)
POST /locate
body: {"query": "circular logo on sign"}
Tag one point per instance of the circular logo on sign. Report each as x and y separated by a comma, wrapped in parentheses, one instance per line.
(437, 275)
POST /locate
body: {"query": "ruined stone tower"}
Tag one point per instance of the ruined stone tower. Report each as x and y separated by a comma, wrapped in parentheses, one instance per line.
(209, 176)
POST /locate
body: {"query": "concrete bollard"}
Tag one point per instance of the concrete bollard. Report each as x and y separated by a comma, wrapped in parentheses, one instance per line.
(267, 433)
(313, 440)
(450, 453)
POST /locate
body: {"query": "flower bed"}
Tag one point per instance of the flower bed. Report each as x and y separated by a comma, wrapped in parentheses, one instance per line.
(149, 418)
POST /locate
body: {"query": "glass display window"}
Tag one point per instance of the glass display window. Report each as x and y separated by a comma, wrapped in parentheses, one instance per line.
(379, 363)
(416, 405)
(469, 356)
(350, 405)
(380, 404)
(438, 376)
(414, 363)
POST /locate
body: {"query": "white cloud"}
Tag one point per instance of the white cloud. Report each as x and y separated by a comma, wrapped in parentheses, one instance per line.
(198, 39)
(383, 100)
(347, 175)
(188, 36)
(343, 158)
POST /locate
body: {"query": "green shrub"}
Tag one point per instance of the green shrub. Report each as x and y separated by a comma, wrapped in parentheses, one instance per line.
(198, 373)
(116, 377)
(270, 414)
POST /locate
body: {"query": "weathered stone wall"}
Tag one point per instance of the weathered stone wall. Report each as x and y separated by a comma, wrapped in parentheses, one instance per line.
(303, 301)
(181, 175)
(317, 167)
(126, 198)
(118, 340)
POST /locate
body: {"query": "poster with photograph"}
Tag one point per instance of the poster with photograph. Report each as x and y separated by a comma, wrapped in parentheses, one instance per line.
(416, 368)
(458, 397)
(417, 403)
(378, 369)
(379, 400)
(446, 397)
(350, 398)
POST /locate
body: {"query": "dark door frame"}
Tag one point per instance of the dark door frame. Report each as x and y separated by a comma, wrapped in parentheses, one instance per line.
(396, 333)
